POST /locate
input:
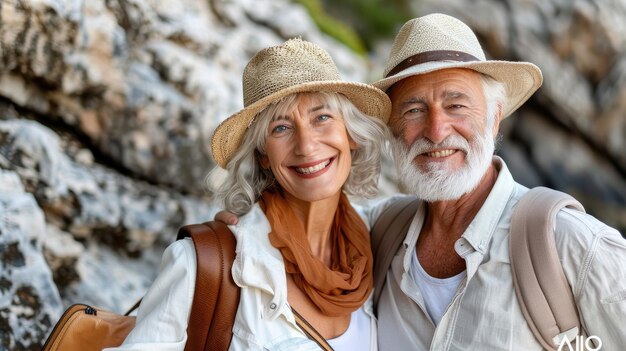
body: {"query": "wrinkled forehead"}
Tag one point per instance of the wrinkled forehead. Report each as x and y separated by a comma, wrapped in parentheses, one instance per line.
(447, 81)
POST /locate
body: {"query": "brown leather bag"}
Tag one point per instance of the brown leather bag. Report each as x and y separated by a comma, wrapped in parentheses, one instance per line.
(213, 310)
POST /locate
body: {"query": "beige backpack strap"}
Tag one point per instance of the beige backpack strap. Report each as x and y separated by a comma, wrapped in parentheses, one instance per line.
(542, 290)
(387, 236)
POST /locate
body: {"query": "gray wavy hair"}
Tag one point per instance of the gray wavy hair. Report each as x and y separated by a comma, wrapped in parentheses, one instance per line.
(240, 185)
(495, 96)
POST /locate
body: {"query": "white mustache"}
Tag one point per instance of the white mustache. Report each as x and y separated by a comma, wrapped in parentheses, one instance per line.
(437, 182)
(423, 145)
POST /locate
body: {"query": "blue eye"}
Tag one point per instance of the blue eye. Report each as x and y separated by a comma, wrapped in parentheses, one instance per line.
(414, 113)
(279, 129)
(323, 117)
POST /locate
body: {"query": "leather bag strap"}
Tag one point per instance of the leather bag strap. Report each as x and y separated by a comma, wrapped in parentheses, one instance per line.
(134, 307)
(216, 296)
(310, 331)
(387, 235)
(544, 295)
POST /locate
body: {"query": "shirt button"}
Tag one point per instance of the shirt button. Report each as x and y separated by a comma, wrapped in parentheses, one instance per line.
(273, 306)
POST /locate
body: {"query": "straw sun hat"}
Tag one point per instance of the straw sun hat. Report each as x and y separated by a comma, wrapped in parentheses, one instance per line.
(293, 67)
(436, 41)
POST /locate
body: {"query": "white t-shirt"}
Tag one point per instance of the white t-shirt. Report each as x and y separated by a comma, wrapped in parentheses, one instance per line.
(437, 293)
(358, 334)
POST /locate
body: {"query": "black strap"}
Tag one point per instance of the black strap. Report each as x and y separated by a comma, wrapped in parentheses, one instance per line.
(135, 306)
(310, 331)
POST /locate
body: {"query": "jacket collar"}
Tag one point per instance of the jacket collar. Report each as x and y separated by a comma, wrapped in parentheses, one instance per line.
(258, 264)
(478, 234)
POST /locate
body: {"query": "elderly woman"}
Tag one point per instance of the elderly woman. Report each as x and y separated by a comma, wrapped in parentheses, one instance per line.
(304, 140)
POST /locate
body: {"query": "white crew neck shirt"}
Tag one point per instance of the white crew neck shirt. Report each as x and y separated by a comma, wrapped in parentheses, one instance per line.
(437, 293)
(358, 334)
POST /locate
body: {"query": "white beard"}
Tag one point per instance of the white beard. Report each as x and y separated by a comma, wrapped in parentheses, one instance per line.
(439, 182)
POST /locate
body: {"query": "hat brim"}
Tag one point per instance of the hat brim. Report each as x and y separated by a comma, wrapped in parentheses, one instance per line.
(521, 79)
(228, 136)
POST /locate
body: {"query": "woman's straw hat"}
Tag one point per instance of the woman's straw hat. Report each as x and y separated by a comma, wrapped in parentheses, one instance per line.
(436, 41)
(293, 67)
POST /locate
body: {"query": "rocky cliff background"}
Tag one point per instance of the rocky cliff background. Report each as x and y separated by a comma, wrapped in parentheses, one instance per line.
(106, 108)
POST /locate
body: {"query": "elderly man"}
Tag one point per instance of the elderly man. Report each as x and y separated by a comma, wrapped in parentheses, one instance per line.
(450, 286)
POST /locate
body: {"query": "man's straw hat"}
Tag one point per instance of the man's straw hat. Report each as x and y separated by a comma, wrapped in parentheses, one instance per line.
(293, 67)
(436, 41)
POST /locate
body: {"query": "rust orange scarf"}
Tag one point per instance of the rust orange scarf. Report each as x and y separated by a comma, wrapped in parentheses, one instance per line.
(344, 286)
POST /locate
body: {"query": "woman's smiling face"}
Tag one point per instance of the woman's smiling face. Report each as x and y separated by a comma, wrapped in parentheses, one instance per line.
(308, 149)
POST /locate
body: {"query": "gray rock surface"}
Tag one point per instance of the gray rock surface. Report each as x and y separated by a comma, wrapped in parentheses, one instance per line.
(29, 300)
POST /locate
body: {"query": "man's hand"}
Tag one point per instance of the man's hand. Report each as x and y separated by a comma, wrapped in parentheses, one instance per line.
(226, 217)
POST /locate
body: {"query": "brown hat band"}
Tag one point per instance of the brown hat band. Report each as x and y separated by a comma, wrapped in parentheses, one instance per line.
(428, 56)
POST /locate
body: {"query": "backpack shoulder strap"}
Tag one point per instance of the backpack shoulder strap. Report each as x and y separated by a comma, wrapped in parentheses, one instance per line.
(387, 235)
(216, 296)
(544, 295)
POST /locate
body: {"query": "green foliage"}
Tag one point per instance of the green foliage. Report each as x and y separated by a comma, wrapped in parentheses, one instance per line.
(333, 27)
(358, 23)
(373, 19)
